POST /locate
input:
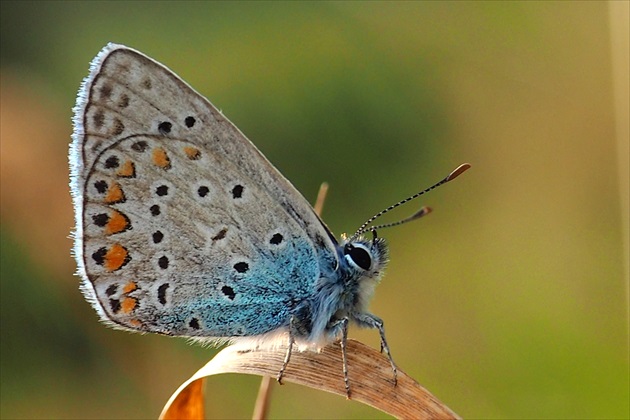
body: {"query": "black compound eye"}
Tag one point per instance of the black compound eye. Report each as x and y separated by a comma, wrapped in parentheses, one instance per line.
(359, 256)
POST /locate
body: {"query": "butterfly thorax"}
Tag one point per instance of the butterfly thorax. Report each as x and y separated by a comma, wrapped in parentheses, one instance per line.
(344, 294)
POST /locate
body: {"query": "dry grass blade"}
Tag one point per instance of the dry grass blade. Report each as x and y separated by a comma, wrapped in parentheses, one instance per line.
(370, 378)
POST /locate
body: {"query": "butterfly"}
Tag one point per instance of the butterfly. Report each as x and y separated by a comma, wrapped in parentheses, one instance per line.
(184, 228)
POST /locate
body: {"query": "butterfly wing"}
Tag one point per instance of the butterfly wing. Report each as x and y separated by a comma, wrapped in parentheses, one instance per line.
(182, 226)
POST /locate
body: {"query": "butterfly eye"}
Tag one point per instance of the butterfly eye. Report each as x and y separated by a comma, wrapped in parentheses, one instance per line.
(358, 255)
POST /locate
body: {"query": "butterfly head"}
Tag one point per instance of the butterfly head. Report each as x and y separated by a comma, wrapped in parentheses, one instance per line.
(363, 262)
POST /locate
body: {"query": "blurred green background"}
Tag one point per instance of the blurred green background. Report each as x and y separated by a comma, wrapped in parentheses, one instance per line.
(509, 301)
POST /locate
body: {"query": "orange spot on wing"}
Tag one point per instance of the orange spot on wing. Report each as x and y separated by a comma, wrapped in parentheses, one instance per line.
(130, 287)
(135, 323)
(128, 304)
(160, 158)
(115, 194)
(117, 223)
(116, 257)
(127, 170)
(192, 152)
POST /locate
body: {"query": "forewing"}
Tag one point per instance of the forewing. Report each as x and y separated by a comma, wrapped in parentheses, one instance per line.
(183, 227)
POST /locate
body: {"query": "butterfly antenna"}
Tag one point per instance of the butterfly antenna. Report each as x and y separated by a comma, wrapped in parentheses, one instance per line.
(420, 213)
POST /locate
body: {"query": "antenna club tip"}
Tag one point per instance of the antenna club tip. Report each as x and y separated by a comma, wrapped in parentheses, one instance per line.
(423, 211)
(458, 171)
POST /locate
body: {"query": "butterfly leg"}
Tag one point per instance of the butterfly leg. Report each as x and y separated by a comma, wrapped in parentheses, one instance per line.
(287, 356)
(372, 321)
(342, 324)
(344, 355)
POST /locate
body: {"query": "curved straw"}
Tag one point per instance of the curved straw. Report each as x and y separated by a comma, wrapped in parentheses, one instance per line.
(370, 379)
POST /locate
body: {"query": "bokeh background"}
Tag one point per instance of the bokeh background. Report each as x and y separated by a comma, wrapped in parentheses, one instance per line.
(509, 301)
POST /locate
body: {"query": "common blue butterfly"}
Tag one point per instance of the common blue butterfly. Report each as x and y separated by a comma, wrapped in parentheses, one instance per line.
(184, 228)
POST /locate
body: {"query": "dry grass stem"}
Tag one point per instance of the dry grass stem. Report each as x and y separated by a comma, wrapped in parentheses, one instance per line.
(370, 379)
